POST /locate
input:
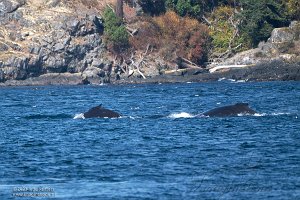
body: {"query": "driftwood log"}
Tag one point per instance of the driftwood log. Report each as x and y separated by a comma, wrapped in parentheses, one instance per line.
(184, 63)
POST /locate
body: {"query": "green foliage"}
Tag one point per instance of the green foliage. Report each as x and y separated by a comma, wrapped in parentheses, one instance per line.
(223, 31)
(293, 9)
(193, 8)
(153, 7)
(260, 17)
(185, 7)
(114, 31)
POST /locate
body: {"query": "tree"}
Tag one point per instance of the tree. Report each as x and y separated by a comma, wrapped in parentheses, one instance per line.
(114, 31)
(260, 17)
(152, 7)
(119, 9)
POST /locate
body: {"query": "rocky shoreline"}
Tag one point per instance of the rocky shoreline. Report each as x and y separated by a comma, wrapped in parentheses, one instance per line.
(274, 71)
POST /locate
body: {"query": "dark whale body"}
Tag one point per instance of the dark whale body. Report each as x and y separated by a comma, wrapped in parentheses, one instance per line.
(100, 112)
(231, 110)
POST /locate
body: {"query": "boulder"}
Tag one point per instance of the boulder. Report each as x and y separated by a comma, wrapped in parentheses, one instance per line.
(280, 35)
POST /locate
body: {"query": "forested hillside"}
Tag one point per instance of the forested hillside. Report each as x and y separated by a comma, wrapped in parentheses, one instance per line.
(202, 30)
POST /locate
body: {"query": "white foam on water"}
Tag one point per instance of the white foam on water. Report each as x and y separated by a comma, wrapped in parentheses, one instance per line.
(181, 115)
(79, 116)
(260, 114)
(275, 114)
(232, 80)
(263, 114)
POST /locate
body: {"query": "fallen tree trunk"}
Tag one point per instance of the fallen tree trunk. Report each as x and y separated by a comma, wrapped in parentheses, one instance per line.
(185, 63)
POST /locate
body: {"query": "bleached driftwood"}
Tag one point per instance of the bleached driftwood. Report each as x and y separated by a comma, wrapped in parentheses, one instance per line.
(214, 69)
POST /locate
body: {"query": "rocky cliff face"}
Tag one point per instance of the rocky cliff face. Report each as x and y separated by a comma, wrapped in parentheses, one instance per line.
(51, 36)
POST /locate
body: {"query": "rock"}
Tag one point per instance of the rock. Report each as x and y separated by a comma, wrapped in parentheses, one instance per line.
(97, 63)
(280, 35)
(53, 3)
(35, 66)
(1, 76)
(72, 26)
(9, 6)
(58, 47)
(55, 64)
(93, 72)
(295, 27)
(34, 49)
(99, 24)
(65, 41)
(282, 45)
(49, 79)
(3, 47)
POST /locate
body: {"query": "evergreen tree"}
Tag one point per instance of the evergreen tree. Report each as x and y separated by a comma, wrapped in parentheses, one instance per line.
(153, 7)
(260, 17)
(114, 30)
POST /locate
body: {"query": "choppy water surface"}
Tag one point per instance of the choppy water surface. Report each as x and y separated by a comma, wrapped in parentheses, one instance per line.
(158, 149)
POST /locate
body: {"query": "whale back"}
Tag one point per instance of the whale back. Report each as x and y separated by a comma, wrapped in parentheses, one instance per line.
(231, 110)
(100, 112)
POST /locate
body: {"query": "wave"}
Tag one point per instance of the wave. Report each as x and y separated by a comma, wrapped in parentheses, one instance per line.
(181, 115)
(231, 80)
(264, 114)
(79, 116)
(39, 116)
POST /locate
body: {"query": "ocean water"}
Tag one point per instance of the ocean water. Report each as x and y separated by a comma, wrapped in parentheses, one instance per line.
(158, 149)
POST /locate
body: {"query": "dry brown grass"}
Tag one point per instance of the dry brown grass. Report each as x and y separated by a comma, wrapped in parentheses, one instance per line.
(96, 4)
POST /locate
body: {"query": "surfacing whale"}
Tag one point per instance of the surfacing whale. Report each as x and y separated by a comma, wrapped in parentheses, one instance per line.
(100, 112)
(231, 110)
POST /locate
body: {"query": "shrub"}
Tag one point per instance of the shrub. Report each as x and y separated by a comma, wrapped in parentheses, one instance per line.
(174, 36)
(224, 30)
(293, 8)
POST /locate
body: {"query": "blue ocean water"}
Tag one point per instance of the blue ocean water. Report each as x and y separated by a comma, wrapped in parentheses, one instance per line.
(158, 149)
